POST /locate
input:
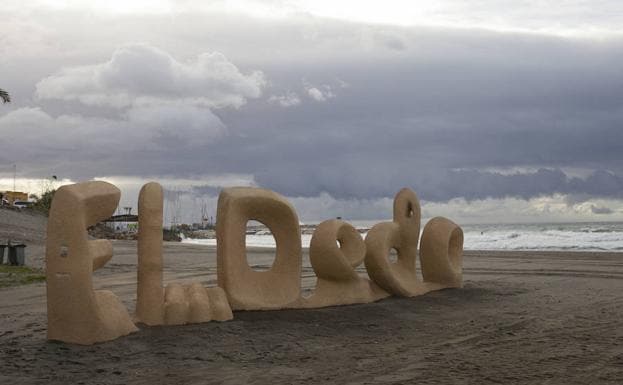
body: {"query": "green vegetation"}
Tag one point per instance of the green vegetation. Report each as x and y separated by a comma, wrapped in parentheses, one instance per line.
(43, 204)
(19, 275)
(171, 235)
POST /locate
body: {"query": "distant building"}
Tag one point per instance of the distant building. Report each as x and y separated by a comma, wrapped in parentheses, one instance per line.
(123, 223)
(10, 197)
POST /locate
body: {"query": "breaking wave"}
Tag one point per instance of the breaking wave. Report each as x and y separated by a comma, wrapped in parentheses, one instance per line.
(572, 236)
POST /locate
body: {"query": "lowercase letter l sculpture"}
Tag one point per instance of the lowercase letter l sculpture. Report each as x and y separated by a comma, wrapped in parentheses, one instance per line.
(177, 304)
(149, 293)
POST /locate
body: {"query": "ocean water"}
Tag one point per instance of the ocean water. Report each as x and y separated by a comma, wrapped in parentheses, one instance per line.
(554, 236)
(607, 236)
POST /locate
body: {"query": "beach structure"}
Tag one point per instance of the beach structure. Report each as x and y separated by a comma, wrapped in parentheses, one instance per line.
(440, 257)
(396, 277)
(335, 251)
(122, 223)
(10, 197)
(76, 312)
(277, 288)
(441, 253)
(177, 304)
(79, 314)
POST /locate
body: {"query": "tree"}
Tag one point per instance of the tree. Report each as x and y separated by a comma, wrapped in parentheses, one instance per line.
(6, 98)
(43, 204)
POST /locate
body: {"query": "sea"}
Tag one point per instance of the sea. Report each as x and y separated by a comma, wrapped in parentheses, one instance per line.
(593, 236)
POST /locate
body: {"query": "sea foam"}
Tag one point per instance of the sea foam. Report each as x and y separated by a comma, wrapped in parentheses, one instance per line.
(565, 236)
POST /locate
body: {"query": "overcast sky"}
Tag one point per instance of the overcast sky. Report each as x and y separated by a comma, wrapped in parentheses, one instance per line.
(490, 110)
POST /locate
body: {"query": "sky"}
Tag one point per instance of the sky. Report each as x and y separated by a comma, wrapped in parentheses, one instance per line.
(492, 111)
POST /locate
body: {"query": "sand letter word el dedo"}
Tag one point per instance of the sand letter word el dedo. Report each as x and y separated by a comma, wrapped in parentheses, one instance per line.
(79, 314)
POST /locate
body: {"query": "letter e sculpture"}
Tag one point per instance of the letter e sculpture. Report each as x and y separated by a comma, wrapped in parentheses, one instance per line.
(76, 312)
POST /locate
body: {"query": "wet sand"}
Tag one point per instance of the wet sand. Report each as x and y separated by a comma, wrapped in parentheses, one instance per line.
(522, 318)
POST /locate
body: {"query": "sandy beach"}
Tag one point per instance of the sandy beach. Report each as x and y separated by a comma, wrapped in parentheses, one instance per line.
(522, 318)
(354, 131)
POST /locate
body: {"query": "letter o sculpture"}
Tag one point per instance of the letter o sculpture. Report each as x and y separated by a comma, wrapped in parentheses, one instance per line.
(402, 234)
(246, 289)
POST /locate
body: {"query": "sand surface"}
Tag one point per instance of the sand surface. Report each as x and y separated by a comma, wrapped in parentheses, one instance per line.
(522, 318)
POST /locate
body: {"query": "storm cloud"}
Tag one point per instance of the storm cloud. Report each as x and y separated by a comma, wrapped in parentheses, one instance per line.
(314, 107)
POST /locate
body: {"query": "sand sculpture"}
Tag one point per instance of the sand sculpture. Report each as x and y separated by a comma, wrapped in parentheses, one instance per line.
(402, 234)
(277, 288)
(335, 250)
(177, 304)
(441, 253)
(149, 293)
(78, 314)
(338, 282)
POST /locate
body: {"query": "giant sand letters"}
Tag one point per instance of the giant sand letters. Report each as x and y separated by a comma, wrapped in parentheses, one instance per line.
(78, 314)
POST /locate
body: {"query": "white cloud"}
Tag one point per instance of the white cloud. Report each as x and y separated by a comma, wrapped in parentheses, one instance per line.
(342, 84)
(141, 74)
(367, 212)
(289, 99)
(36, 186)
(562, 17)
(319, 94)
(316, 94)
(556, 17)
(550, 208)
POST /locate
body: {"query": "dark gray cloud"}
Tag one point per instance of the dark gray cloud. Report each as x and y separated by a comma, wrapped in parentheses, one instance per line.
(351, 110)
(601, 210)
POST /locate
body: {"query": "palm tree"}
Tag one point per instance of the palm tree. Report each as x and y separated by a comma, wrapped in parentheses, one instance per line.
(6, 98)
